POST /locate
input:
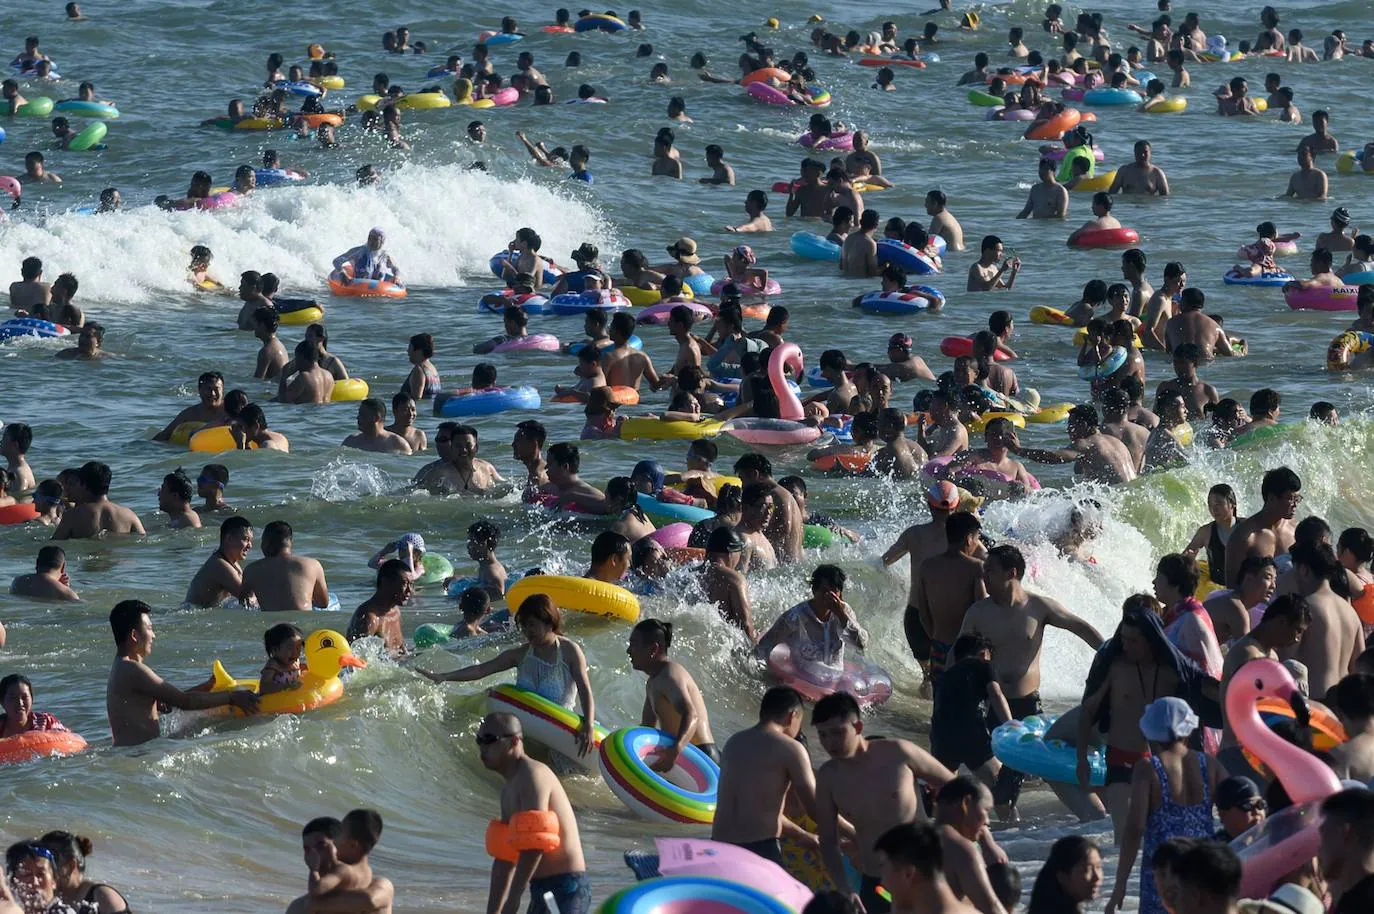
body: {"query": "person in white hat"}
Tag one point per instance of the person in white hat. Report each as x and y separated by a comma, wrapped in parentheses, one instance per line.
(1287, 899)
(1171, 796)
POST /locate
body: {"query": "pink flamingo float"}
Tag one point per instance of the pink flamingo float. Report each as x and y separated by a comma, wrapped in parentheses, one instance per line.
(1288, 839)
(788, 429)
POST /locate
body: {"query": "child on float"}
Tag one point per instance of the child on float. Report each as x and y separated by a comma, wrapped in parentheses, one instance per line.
(284, 643)
(588, 370)
(601, 419)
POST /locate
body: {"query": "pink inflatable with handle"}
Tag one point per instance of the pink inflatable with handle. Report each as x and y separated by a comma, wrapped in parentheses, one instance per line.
(1283, 842)
(788, 429)
(658, 313)
(767, 94)
(699, 857)
(843, 140)
(673, 535)
(867, 682)
(1322, 298)
(504, 97)
(534, 342)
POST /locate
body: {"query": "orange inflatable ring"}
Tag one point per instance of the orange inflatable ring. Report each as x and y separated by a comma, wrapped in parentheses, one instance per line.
(531, 830)
(1055, 127)
(1364, 605)
(624, 396)
(20, 513)
(755, 312)
(844, 463)
(320, 120)
(32, 744)
(684, 555)
(342, 283)
(764, 74)
(1327, 731)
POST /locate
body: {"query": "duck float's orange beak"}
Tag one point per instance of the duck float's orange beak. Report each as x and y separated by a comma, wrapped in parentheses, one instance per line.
(354, 661)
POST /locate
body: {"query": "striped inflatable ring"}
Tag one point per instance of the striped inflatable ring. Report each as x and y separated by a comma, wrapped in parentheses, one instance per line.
(649, 794)
(544, 722)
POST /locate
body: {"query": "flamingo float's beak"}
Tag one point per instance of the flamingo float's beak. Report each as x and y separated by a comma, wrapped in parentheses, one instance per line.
(354, 661)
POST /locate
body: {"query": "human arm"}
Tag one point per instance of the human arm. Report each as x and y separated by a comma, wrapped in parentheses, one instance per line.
(1057, 616)
(538, 155)
(997, 703)
(964, 861)
(1026, 210)
(1132, 831)
(1083, 735)
(577, 667)
(1199, 540)
(776, 634)
(143, 681)
(1163, 184)
(1042, 455)
(319, 595)
(828, 833)
(506, 660)
(686, 728)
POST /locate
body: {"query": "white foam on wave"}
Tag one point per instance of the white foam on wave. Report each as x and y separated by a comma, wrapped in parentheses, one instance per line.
(443, 224)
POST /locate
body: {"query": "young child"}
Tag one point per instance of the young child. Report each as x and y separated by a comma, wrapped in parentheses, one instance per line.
(6, 480)
(589, 371)
(336, 852)
(621, 502)
(1260, 257)
(699, 480)
(648, 477)
(210, 486)
(15, 442)
(475, 605)
(174, 500)
(967, 698)
(602, 422)
(410, 549)
(282, 671)
(483, 538)
(200, 270)
(423, 381)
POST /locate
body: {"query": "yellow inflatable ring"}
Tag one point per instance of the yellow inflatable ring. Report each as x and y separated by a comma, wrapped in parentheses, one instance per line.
(328, 82)
(1055, 412)
(302, 316)
(979, 423)
(716, 483)
(642, 297)
(1171, 105)
(1042, 314)
(424, 101)
(215, 440)
(349, 390)
(182, 433)
(578, 594)
(661, 430)
(1096, 183)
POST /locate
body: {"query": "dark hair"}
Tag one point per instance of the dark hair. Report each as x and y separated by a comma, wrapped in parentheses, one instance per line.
(392, 570)
(95, 478)
(484, 533)
(66, 847)
(1279, 481)
(779, 702)
(966, 646)
(423, 342)
(653, 631)
(474, 603)
(483, 375)
(1358, 541)
(1006, 884)
(275, 535)
(540, 606)
(1213, 869)
(828, 575)
(608, 544)
(1010, 558)
(1353, 808)
(363, 826)
(1254, 564)
(21, 434)
(834, 706)
(279, 634)
(1265, 400)
(960, 787)
(754, 462)
(1048, 895)
(1353, 696)
(1181, 573)
(960, 525)
(915, 844)
(565, 454)
(324, 825)
(533, 428)
(125, 618)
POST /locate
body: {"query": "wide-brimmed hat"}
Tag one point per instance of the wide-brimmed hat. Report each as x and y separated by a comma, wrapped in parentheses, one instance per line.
(685, 250)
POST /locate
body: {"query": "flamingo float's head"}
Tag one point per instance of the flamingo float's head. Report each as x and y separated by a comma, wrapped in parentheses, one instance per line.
(1264, 679)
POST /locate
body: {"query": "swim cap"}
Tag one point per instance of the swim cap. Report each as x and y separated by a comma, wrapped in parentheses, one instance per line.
(944, 496)
(1341, 216)
(413, 540)
(746, 253)
(650, 470)
(899, 341)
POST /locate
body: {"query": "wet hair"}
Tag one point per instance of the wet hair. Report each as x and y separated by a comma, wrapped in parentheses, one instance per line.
(540, 606)
(1048, 895)
(1212, 869)
(275, 536)
(960, 787)
(393, 570)
(1264, 401)
(484, 533)
(830, 576)
(966, 646)
(483, 375)
(21, 434)
(652, 631)
(280, 634)
(754, 462)
(95, 478)
(179, 484)
(779, 703)
(607, 545)
(1358, 541)
(960, 526)
(565, 454)
(1010, 558)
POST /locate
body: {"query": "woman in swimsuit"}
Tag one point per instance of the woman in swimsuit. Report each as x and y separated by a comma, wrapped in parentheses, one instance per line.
(423, 382)
(69, 855)
(1213, 537)
(550, 665)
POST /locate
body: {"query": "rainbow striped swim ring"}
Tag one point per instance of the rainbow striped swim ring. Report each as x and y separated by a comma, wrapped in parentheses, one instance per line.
(544, 722)
(651, 795)
(691, 895)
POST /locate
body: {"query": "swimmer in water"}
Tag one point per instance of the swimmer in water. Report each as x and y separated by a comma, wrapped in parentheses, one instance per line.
(1102, 218)
(987, 275)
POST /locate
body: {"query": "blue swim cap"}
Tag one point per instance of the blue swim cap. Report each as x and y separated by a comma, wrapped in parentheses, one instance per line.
(650, 470)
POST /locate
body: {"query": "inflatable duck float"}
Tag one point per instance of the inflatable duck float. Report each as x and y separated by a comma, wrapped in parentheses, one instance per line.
(326, 653)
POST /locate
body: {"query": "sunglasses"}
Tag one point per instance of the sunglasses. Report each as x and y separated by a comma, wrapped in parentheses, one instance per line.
(484, 740)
